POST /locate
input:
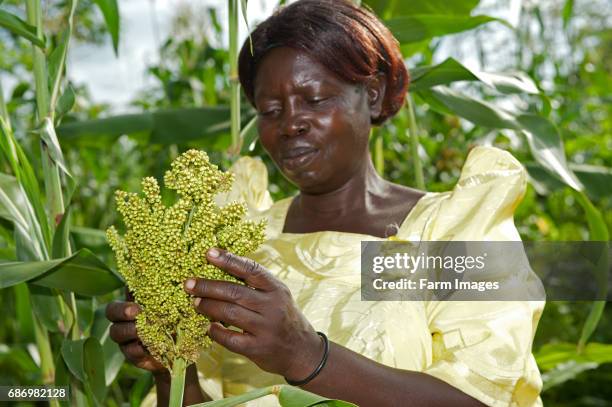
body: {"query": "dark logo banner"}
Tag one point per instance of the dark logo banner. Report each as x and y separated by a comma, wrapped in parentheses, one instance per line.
(485, 271)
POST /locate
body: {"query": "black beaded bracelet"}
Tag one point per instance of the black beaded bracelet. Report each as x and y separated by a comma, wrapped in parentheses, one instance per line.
(319, 368)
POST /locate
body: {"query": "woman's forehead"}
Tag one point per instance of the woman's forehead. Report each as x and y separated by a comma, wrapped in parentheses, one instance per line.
(287, 66)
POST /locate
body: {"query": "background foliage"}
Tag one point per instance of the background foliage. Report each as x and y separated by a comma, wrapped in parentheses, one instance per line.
(541, 90)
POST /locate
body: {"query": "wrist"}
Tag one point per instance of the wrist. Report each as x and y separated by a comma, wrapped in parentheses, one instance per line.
(308, 360)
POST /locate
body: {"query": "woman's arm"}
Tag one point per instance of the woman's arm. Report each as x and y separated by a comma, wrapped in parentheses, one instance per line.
(352, 377)
(278, 338)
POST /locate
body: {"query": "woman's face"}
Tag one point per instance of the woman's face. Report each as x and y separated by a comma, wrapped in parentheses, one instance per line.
(313, 125)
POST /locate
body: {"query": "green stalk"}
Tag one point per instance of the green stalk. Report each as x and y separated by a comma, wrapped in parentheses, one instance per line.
(53, 186)
(47, 366)
(414, 138)
(34, 17)
(44, 349)
(234, 82)
(177, 382)
(3, 110)
(55, 88)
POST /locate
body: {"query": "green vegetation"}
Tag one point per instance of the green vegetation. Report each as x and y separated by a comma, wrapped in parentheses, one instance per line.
(541, 91)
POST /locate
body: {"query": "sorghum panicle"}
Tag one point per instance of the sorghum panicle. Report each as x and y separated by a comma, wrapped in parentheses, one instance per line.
(164, 246)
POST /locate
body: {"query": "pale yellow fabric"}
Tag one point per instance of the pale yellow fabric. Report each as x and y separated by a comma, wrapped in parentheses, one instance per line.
(484, 349)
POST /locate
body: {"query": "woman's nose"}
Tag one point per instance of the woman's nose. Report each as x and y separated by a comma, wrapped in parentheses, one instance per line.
(294, 122)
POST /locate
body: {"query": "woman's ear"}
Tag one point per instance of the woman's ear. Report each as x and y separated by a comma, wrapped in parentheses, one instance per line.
(376, 88)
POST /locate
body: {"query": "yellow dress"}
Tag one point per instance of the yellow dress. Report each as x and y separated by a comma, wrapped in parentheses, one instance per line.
(483, 349)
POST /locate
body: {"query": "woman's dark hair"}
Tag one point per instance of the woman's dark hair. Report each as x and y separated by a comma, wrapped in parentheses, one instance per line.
(346, 39)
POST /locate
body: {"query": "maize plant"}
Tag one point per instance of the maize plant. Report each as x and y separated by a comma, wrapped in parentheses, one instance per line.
(164, 246)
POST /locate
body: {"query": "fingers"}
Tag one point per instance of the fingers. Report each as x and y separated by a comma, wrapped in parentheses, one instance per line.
(123, 332)
(121, 311)
(254, 274)
(137, 354)
(229, 313)
(234, 341)
(225, 291)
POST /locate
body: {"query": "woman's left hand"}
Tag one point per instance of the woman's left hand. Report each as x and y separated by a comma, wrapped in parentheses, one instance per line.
(275, 334)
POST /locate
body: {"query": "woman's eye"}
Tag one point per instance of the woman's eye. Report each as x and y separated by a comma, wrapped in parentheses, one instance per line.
(316, 101)
(269, 112)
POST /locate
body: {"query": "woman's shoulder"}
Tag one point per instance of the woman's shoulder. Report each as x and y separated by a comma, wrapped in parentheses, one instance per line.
(479, 207)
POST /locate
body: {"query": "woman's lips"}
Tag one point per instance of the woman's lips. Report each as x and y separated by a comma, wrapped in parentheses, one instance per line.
(300, 157)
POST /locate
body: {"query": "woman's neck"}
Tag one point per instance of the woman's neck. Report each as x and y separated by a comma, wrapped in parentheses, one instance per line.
(354, 197)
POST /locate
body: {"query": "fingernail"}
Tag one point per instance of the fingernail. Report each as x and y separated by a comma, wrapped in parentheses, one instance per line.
(214, 253)
(189, 284)
(131, 311)
(196, 301)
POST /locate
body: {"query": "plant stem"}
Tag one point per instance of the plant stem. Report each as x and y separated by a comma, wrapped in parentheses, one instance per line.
(47, 366)
(177, 382)
(3, 110)
(55, 88)
(233, 77)
(53, 186)
(414, 138)
(34, 17)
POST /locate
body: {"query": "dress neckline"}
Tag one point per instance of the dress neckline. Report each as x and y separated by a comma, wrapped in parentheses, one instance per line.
(285, 204)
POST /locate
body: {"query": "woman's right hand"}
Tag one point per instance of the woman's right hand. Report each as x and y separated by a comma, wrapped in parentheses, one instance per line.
(122, 314)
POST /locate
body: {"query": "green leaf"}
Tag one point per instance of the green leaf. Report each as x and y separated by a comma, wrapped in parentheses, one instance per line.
(89, 237)
(451, 71)
(295, 397)
(248, 135)
(598, 231)
(19, 27)
(404, 7)
(82, 273)
(72, 351)
(85, 312)
(564, 372)
(243, 8)
(15, 207)
(62, 374)
(84, 358)
(46, 305)
(547, 147)
(113, 357)
(65, 102)
(171, 126)
(543, 137)
(288, 396)
(416, 28)
(61, 237)
(23, 314)
(568, 11)
(553, 354)
(110, 10)
(93, 367)
(477, 111)
(27, 179)
(596, 180)
(49, 138)
(141, 388)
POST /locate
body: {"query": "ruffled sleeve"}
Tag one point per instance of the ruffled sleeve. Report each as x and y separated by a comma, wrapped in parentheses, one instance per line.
(250, 185)
(483, 348)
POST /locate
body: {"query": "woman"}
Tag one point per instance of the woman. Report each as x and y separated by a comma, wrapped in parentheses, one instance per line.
(321, 74)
